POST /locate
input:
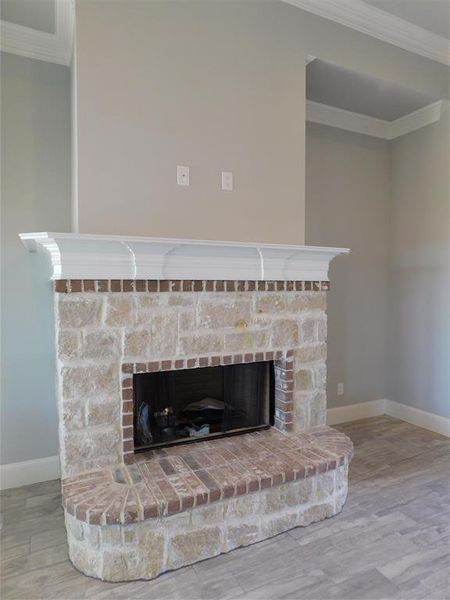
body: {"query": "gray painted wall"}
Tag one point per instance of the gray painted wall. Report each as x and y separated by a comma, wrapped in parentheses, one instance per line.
(347, 204)
(35, 140)
(419, 323)
(214, 85)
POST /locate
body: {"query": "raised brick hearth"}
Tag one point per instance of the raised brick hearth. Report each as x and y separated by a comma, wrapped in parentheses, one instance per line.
(185, 503)
(165, 482)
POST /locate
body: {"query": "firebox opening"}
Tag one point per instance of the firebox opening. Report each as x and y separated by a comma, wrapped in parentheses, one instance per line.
(186, 405)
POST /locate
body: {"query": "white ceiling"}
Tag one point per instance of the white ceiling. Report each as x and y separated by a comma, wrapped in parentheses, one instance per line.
(336, 86)
(433, 15)
(36, 14)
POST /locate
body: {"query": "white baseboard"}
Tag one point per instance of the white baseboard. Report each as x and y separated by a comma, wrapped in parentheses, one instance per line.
(29, 471)
(45, 469)
(353, 412)
(383, 406)
(418, 417)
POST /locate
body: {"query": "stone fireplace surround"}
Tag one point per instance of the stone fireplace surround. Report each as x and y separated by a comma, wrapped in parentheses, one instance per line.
(131, 516)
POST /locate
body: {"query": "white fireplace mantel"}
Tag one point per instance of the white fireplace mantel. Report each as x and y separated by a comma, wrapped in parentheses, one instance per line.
(85, 256)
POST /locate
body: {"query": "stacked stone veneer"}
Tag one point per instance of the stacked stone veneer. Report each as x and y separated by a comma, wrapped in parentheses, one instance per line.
(101, 332)
(107, 330)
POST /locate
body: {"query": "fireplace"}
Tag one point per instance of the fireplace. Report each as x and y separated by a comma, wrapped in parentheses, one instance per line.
(163, 342)
(187, 405)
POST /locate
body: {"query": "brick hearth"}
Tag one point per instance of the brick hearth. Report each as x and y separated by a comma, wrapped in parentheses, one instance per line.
(169, 481)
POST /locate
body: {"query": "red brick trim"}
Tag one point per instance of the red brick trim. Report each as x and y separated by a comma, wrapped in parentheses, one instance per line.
(284, 386)
(67, 286)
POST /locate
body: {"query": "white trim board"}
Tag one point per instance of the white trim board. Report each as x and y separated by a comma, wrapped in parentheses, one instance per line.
(51, 47)
(86, 256)
(29, 471)
(357, 123)
(380, 24)
(375, 408)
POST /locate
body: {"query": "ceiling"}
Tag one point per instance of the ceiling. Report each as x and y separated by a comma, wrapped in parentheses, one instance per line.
(433, 15)
(336, 86)
(36, 14)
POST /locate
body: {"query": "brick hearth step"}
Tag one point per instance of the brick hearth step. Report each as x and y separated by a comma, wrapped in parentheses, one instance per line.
(164, 482)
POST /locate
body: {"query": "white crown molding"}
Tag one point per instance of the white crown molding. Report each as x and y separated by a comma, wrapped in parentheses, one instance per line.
(50, 47)
(345, 119)
(419, 118)
(357, 123)
(84, 256)
(380, 24)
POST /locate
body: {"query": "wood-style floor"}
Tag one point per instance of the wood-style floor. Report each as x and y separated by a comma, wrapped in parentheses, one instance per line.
(391, 541)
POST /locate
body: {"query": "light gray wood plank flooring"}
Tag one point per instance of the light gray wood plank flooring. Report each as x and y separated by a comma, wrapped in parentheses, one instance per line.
(392, 539)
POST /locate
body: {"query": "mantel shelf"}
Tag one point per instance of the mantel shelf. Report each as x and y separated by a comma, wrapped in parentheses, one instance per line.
(86, 256)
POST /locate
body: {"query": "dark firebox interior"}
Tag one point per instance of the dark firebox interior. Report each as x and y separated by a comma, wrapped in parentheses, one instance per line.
(194, 404)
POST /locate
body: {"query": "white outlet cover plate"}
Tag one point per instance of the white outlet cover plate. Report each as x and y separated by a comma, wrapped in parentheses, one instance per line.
(182, 175)
(227, 181)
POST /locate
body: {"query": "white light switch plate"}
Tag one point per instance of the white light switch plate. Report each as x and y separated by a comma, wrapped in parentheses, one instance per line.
(182, 175)
(340, 389)
(227, 181)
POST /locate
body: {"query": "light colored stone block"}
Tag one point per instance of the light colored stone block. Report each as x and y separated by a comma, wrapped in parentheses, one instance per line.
(271, 526)
(270, 303)
(184, 299)
(73, 413)
(145, 307)
(187, 320)
(207, 515)
(79, 311)
(308, 331)
(318, 409)
(291, 495)
(164, 334)
(74, 527)
(200, 344)
(322, 329)
(311, 353)
(320, 377)
(90, 381)
(102, 413)
(316, 512)
(242, 534)
(222, 314)
(84, 558)
(119, 310)
(301, 411)
(284, 333)
(246, 340)
(186, 548)
(242, 506)
(137, 344)
(68, 345)
(86, 449)
(100, 344)
(111, 536)
(304, 379)
(325, 485)
(306, 301)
